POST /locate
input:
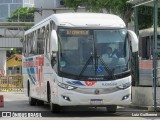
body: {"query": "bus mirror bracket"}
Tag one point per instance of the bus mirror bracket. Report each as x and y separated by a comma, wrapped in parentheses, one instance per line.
(53, 59)
(134, 40)
(54, 41)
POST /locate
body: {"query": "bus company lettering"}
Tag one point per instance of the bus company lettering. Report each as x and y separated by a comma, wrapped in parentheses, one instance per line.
(38, 62)
(29, 64)
(109, 84)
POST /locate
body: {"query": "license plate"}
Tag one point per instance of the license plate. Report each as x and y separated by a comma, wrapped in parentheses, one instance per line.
(96, 101)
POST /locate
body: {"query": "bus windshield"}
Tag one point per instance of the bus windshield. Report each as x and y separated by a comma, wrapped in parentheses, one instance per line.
(100, 53)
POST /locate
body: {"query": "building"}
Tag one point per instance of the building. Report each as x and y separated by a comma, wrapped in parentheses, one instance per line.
(45, 8)
(14, 65)
(7, 7)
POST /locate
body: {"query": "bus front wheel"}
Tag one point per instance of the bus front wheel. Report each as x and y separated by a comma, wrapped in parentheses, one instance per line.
(32, 101)
(111, 108)
(53, 107)
(40, 102)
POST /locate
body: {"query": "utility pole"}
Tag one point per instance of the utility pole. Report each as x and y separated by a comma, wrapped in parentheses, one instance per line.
(18, 15)
(155, 51)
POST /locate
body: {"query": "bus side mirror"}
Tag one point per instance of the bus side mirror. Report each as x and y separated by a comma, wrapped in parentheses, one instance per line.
(134, 40)
(54, 41)
(53, 59)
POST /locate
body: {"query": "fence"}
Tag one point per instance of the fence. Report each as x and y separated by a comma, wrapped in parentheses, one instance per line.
(11, 83)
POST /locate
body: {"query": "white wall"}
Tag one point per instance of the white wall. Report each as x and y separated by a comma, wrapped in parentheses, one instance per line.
(46, 13)
(10, 42)
(12, 33)
(143, 96)
(45, 3)
(50, 7)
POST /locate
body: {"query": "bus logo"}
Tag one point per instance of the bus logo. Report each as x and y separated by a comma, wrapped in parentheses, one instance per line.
(96, 91)
(90, 83)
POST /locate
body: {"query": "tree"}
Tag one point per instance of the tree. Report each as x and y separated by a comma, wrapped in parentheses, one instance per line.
(73, 4)
(145, 17)
(121, 8)
(14, 51)
(22, 14)
(118, 7)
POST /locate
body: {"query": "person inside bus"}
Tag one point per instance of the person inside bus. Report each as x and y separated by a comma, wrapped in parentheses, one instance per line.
(109, 57)
(108, 53)
(119, 52)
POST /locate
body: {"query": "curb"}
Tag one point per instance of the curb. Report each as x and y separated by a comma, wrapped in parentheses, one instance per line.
(147, 108)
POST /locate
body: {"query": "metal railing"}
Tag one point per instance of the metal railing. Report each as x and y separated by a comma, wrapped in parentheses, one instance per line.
(11, 83)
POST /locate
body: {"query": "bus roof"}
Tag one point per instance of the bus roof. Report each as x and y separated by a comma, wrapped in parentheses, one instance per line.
(82, 20)
(148, 32)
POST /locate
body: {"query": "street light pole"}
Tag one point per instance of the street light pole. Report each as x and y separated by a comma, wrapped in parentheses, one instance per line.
(18, 15)
(155, 51)
(136, 63)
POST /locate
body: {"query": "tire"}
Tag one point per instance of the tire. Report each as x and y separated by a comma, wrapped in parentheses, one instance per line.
(32, 101)
(53, 107)
(111, 108)
(40, 102)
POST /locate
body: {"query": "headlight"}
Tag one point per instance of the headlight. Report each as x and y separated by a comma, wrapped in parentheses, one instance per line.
(124, 86)
(65, 86)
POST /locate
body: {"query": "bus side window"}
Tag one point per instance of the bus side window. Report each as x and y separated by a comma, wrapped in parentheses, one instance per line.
(40, 47)
(31, 44)
(47, 39)
(40, 41)
(34, 42)
(48, 30)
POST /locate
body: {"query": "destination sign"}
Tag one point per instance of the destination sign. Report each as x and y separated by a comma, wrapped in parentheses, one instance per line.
(77, 32)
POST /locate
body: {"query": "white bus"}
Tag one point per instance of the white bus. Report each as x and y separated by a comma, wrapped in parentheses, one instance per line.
(64, 61)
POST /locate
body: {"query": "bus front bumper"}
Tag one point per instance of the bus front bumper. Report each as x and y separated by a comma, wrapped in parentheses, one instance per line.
(73, 98)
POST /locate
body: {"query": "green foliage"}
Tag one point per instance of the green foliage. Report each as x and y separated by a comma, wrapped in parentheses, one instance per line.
(14, 51)
(145, 17)
(73, 3)
(23, 15)
(119, 7)
(95, 5)
(114, 6)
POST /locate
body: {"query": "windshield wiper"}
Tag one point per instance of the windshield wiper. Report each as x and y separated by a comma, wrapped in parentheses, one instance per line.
(96, 61)
(85, 66)
(107, 68)
(103, 63)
